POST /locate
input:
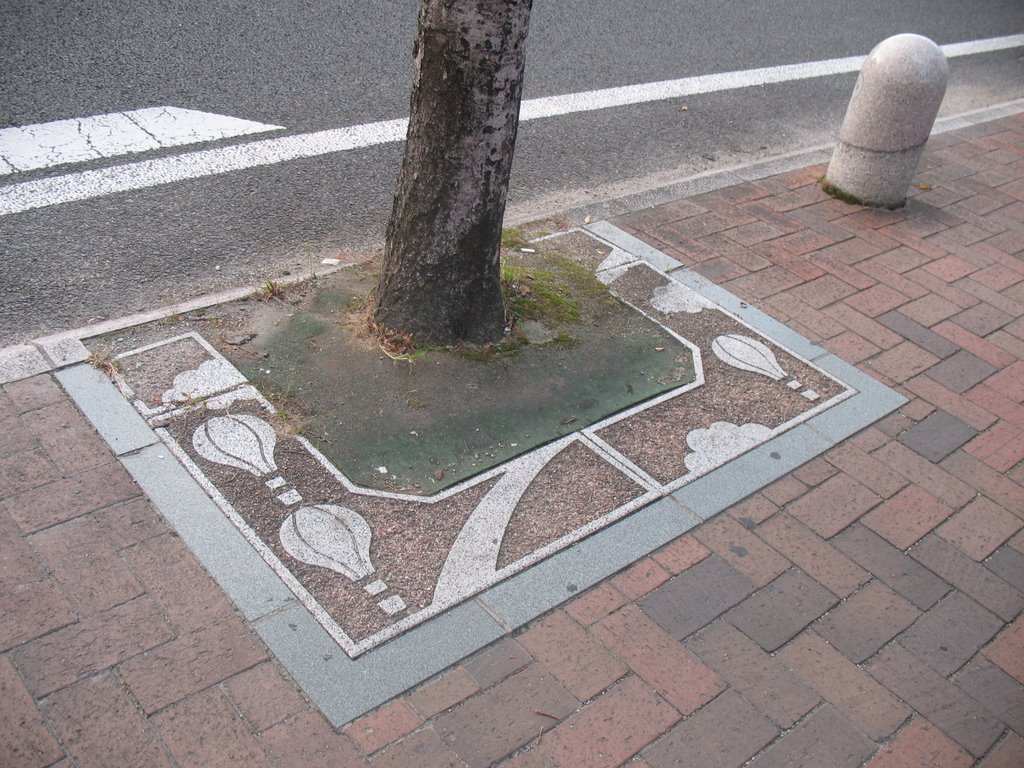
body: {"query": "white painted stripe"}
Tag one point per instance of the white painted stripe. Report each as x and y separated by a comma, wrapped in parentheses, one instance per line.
(95, 183)
(207, 162)
(606, 98)
(989, 45)
(29, 147)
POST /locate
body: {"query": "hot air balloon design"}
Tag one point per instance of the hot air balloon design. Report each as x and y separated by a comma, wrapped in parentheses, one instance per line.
(325, 535)
(749, 354)
(246, 442)
(335, 537)
(330, 536)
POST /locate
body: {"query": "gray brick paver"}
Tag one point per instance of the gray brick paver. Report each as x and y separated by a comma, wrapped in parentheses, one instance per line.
(776, 613)
(696, 597)
(960, 716)
(938, 435)
(974, 579)
(952, 632)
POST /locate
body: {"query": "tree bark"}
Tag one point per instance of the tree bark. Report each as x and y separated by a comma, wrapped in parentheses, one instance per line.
(441, 277)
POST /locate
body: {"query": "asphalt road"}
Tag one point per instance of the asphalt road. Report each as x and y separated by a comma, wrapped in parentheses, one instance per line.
(312, 66)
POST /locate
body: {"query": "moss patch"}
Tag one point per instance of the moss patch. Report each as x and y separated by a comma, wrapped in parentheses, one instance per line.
(552, 289)
(833, 191)
(513, 237)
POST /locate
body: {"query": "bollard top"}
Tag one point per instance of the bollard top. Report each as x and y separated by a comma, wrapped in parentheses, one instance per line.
(897, 95)
(908, 58)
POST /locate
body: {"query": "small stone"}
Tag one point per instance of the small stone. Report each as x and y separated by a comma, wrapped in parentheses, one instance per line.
(238, 339)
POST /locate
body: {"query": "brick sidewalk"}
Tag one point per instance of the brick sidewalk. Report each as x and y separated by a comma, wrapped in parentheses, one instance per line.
(863, 608)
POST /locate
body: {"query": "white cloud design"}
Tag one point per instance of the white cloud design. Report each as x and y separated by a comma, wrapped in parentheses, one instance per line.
(678, 298)
(720, 442)
(211, 377)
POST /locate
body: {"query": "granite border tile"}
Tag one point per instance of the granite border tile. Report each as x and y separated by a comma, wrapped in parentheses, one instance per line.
(62, 350)
(20, 362)
(106, 408)
(753, 470)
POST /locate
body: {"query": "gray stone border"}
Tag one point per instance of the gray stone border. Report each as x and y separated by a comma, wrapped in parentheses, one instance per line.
(344, 688)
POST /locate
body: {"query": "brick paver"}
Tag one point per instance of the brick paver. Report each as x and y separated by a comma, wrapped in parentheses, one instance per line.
(844, 685)
(579, 662)
(812, 554)
(937, 435)
(863, 609)
(504, 718)
(907, 517)
(668, 667)
(387, 724)
(824, 738)
(695, 597)
(422, 748)
(867, 621)
(728, 731)
(610, 730)
(951, 633)
(980, 528)
(922, 745)
(1008, 651)
(959, 716)
(767, 684)
(774, 614)
(25, 738)
(99, 724)
(833, 505)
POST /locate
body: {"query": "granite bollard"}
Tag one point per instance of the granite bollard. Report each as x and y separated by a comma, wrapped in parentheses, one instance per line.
(888, 121)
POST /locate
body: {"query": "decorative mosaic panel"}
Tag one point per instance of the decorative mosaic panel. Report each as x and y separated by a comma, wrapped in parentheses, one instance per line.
(370, 564)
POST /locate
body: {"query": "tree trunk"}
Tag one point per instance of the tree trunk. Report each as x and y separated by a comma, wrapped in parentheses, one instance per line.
(441, 278)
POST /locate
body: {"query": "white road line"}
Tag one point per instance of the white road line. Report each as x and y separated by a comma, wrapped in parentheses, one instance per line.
(29, 147)
(84, 185)
(607, 98)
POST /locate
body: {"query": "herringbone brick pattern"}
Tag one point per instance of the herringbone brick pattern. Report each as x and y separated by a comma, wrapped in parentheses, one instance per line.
(864, 609)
